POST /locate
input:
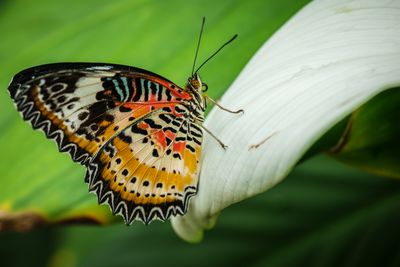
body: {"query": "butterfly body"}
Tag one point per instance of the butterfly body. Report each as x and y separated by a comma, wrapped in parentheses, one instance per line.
(138, 134)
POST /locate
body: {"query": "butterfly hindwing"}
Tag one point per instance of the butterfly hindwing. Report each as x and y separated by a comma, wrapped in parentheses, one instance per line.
(102, 114)
(150, 169)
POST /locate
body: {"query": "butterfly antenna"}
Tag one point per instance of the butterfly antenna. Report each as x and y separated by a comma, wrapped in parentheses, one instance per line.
(198, 44)
(216, 52)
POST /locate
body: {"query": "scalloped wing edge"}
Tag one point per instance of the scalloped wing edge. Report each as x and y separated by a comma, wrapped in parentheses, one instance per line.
(129, 211)
(38, 122)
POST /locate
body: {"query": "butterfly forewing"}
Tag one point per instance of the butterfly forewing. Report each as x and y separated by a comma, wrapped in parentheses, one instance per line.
(129, 127)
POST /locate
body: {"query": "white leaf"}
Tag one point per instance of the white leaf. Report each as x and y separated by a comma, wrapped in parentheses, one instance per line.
(330, 58)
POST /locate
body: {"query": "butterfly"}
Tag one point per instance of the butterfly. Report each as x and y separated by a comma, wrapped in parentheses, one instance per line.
(138, 134)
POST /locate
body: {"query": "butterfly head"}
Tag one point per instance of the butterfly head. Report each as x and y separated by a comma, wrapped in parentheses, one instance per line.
(195, 83)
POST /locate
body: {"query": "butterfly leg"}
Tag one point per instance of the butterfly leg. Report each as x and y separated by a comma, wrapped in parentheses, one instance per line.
(221, 107)
(216, 138)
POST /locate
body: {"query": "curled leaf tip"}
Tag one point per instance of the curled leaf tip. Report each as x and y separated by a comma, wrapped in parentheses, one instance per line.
(326, 61)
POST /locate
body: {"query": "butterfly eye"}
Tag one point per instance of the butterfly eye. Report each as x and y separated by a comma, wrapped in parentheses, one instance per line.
(205, 87)
(195, 84)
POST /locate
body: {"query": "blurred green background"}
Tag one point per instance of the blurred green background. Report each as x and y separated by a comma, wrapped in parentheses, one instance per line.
(323, 214)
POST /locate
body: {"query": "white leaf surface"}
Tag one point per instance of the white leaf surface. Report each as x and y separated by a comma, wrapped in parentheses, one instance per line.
(330, 58)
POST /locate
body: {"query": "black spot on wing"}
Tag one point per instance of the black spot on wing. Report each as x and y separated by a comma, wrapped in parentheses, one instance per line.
(165, 118)
(152, 124)
(136, 129)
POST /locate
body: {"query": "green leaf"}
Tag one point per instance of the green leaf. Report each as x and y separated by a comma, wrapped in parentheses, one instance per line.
(371, 140)
(323, 214)
(39, 185)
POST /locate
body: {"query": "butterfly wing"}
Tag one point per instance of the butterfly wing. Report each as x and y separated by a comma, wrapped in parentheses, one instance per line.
(150, 169)
(87, 107)
(82, 105)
